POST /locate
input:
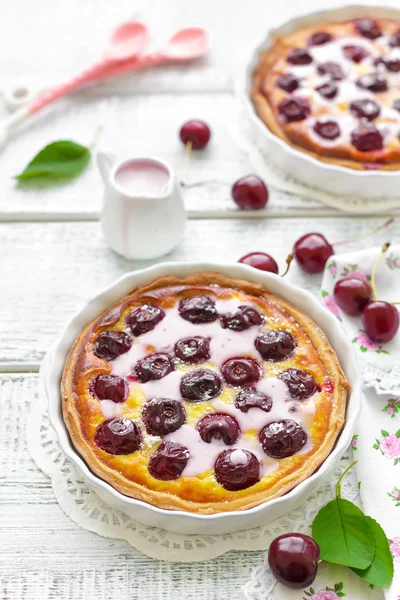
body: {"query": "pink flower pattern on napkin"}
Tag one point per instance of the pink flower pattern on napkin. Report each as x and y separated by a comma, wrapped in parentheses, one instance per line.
(366, 344)
(392, 407)
(389, 445)
(354, 442)
(327, 593)
(395, 495)
(393, 261)
(354, 271)
(395, 548)
(330, 303)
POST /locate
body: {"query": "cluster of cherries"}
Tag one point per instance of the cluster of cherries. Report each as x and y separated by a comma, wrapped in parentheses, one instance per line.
(366, 137)
(162, 416)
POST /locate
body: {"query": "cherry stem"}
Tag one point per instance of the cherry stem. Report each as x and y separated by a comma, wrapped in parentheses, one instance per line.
(97, 136)
(365, 235)
(189, 146)
(374, 268)
(338, 485)
(288, 263)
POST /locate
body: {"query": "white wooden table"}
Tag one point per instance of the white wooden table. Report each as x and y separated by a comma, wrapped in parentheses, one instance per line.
(53, 256)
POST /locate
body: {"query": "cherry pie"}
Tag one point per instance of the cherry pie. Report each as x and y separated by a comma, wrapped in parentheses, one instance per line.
(204, 394)
(333, 91)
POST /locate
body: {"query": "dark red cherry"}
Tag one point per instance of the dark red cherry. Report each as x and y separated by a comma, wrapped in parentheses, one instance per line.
(252, 398)
(355, 53)
(396, 105)
(197, 132)
(110, 387)
(365, 109)
(162, 416)
(368, 28)
(281, 439)
(153, 367)
(301, 385)
(381, 321)
(374, 82)
(118, 436)
(352, 294)
(218, 427)
(294, 109)
(244, 318)
(275, 345)
(237, 469)
(312, 251)
(319, 38)
(328, 90)
(395, 39)
(200, 385)
(299, 56)
(111, 344)
(241, 371)
(192, 350)
(390, 64)
(261, 261)
(334, 70)
(293, 559)
(198, 309)
(144, 319)
(250, 193)
(287, 82)
(168, 461)
(329, 130)
(367, 138)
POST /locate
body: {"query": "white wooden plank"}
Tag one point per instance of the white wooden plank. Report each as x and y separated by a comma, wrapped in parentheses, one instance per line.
(48, 270)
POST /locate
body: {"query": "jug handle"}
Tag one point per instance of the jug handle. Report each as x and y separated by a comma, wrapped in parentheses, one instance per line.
(105, 161)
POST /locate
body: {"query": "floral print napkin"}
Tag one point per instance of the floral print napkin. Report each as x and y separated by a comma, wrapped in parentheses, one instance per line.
(376, 443)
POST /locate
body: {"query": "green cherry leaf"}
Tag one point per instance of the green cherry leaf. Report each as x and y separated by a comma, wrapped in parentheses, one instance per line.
(59, 159)
(380, 572)
(343, 534)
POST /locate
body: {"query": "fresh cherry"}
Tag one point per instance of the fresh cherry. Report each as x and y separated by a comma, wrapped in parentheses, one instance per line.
(200, 385)
(294, 109)
(218, 426)
(301, 384)
(329, 130)
(299, 56)
(154, 367)
(328, 90)
(197, 132)
(241, 371)
(252, 398)
(380, 320)
(334, 70)
(162, 416)
(352, 294)
(312, 251)
(374, 82)
(367, 138)
(198, 309)
(144, 319)
(365, 109)
(237, 469)
(244, 318)
(355, 53)
(281, 439)
(368, 28)
(395, 39)
(275, 345)
(261, 261)
(193, 350)
(168, 461)
(319, 38)
(111, 344)
(293, 559)
(250, 193)
(287, 82)
(109, 387)
(118, 436)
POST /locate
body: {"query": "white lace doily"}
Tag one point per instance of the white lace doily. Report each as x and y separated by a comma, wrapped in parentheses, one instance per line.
(248, 138)
(86, 509)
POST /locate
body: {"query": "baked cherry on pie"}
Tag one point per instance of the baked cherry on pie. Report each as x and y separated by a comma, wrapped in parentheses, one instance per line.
(333, 91)
(204, 394)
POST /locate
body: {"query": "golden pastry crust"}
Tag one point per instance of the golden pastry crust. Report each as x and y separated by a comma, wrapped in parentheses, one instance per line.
(202, 493)
(266, 95)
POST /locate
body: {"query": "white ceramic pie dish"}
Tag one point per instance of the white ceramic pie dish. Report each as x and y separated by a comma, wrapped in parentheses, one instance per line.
(179, 521)
(299, 165)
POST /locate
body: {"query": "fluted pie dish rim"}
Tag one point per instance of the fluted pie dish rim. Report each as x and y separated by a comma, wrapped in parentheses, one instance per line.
(182, 520)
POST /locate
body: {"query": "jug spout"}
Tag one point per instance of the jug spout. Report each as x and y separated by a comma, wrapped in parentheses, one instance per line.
(105, 161)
